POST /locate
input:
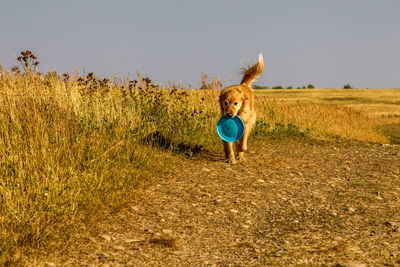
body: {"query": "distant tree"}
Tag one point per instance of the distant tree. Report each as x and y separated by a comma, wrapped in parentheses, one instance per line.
(289, 87)
(256, 87)
(277, 87)
(303, 87)
(298, 87)
(347, 86)
(310, 86)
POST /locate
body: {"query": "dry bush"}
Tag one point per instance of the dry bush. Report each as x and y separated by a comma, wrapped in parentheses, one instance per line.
(206, 83)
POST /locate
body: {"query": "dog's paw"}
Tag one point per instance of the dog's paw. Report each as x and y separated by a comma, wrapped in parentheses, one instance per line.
(231, 161)
(241, 156)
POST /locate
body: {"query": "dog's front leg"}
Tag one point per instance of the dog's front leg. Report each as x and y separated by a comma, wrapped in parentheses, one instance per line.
(229, 152)
(241, 145)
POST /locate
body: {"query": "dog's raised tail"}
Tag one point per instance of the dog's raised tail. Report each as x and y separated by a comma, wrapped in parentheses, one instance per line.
(252, 72)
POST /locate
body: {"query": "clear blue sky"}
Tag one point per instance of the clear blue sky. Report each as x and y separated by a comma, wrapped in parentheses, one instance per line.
(328, 43)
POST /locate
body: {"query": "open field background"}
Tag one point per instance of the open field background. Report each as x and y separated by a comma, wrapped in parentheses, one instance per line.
(74, 149)
(380, 105)
(375, 103)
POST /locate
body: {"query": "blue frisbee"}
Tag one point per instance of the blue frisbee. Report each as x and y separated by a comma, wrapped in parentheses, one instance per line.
(230, 129)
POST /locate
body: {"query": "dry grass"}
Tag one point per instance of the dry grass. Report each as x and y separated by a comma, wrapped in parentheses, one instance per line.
(371, 115)
(381, 104)
(323, 121)
(73, 149)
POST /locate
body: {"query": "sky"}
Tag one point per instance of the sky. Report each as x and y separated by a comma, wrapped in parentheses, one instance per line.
(327, 43)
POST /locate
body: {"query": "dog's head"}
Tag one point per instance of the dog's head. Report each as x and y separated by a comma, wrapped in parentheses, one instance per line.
(231, 101)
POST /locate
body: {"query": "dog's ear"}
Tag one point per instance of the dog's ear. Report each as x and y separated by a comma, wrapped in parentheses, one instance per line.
(220, 99)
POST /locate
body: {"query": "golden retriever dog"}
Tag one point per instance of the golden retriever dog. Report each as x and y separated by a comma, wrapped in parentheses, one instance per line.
(237, 100)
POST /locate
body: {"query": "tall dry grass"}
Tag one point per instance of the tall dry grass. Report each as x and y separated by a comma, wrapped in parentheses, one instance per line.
(74, 147)
(322, 121)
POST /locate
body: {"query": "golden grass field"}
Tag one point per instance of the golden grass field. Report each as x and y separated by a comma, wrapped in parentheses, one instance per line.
(381, 104)
(73, 148)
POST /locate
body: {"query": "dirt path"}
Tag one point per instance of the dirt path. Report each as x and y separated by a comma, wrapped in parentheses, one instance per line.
(290, 203)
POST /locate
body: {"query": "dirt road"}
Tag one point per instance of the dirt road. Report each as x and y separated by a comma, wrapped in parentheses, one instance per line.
(291, 203)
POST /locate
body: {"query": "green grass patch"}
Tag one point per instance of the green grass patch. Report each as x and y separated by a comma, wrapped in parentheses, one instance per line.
(263, 129)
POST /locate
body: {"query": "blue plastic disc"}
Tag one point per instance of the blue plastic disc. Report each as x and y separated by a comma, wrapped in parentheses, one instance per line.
(230, 129)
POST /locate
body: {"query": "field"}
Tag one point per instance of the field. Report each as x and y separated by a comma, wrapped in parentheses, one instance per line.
(113, 171)
(381, 104)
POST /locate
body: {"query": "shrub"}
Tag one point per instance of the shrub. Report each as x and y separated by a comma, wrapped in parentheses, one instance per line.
(256, 87)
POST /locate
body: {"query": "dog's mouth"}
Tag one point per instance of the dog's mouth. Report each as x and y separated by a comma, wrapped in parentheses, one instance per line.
(230, 115)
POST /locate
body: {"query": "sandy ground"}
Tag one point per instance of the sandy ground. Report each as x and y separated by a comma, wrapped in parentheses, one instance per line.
(290, 203)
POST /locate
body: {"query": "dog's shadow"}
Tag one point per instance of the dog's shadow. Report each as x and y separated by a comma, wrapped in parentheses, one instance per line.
(194, 152)
(211, 156)
(158, 140)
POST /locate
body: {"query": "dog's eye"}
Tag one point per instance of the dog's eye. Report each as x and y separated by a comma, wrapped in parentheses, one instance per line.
(235, 103)
(226, 103)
